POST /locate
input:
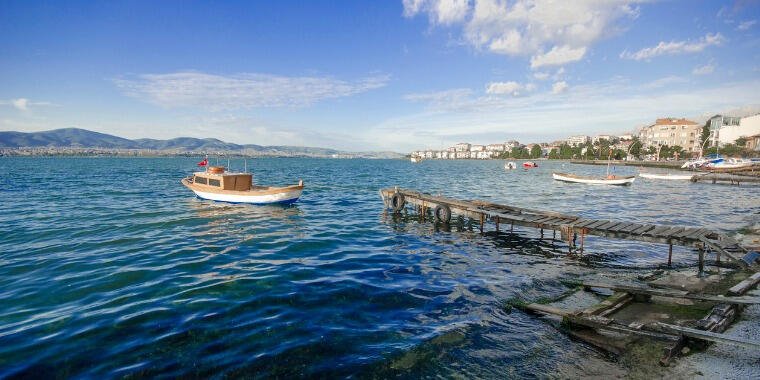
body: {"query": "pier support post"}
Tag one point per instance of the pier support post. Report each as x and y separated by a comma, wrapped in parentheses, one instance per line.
(497, 224)
(701, 259)
(482, 222)
(542, 234)
(511, 227)
(717, 257)
(582, 236)
(670, 254)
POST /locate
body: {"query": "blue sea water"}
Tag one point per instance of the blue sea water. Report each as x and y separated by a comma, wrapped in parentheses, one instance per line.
(109, 267)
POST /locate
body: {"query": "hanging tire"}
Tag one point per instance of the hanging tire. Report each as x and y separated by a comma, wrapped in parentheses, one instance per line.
(442, 213)
(397, 202)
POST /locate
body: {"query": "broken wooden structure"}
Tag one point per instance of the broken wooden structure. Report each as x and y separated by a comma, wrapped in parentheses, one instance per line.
(600, 317)
(729, 179)
(571, 227)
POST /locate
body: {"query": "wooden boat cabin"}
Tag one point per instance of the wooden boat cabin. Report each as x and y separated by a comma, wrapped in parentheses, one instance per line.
(217, 179)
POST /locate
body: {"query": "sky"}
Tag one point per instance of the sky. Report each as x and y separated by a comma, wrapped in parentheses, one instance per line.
(395, 75)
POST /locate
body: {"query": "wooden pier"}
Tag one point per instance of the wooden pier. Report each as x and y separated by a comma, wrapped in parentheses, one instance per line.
(571, 227)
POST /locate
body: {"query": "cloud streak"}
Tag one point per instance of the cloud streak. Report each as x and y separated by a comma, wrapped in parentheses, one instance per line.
(675, 47)
(240, 91)
(23, 104)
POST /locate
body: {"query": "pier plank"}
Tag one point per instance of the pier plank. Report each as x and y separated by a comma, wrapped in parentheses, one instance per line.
(643, 229)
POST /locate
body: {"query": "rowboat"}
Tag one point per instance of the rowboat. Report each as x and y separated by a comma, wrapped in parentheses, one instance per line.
(530, 164)
(609, 180)
(510, 165)
(218, 185)
(676, 177)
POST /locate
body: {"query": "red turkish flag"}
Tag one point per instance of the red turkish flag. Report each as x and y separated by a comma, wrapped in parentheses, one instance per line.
(204, 162)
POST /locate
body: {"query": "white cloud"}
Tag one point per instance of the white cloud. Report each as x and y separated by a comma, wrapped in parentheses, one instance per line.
(240, 91)
(557, 56)
(746, 24)
(500, 88)
(559, 87)
(23, 104)
(673, 47)
(663, 82)
(541, 76)
(703, 70)
(566, 29)
(440, 11)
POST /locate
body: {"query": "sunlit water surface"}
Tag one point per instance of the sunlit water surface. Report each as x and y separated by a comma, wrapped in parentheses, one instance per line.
(111, 268)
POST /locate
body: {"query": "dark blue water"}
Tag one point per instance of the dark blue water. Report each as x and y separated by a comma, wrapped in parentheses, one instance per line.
(111, 268)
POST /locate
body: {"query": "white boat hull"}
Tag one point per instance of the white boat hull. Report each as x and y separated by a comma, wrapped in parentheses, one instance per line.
(281, 198)
(594, 181)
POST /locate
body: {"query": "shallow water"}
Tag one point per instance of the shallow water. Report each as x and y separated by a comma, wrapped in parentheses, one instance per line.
(110, 268)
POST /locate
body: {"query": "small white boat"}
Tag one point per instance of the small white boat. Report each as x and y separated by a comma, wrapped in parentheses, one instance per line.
(217, 185)
(416, 159)
(609, 180)
(510, 165)
(675, 177)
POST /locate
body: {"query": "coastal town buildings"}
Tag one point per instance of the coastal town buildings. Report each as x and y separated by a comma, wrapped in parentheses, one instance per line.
(578, 140)
(726, 130)
(462, 147)
(672, 132)
(626, 137)
(598, 138)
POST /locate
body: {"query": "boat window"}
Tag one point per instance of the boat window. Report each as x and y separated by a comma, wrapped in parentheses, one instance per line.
(213, 182)
(200, 180)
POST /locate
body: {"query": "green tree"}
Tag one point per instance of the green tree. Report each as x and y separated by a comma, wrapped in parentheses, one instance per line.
(705, 133)
(741, 141)
(535, 152)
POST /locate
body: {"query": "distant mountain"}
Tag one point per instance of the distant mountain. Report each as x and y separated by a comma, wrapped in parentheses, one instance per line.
(82, 138)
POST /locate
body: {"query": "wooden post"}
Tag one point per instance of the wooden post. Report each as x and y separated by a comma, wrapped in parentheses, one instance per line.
(670, 254)
(482, 221)
(717, 257)
(582, 235)
(511, 227)
(701, 259)
(497, 224)
(554, 234)
(542, 234)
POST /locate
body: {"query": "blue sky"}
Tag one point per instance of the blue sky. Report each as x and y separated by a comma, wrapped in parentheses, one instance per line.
(374, 75)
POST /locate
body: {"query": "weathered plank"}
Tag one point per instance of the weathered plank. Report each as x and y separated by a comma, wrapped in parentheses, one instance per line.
(708, 336)
(643, 229)
(745, 285)
(672, 293)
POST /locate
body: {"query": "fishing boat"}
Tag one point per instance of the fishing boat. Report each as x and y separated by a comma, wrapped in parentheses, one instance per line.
(217, 184)
(609, 180)
(670, 176)
(530, 164)
(510, 165)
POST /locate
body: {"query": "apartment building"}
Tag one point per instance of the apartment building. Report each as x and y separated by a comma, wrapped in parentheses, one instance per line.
(671, 132)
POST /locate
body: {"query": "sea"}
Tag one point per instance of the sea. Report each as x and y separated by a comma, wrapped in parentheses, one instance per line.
(110, 268)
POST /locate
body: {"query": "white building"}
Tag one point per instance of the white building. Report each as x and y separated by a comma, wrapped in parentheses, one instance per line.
(462, 147)
(729, 132)
(462, 154)
(626, 137)
(671, 132)
(577, 140)
(495, 147)
(483, 154)
(601, 137)
(511, 144)
(477, 148)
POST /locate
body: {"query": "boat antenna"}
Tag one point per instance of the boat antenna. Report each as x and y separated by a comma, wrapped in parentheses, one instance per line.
(245, 165)
(228, 163)
(609, 158)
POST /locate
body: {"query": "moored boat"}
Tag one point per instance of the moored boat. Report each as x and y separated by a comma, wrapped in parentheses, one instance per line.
(510, 165)
(609, 180)
(218, 185)
(530, 164)
(416, 159)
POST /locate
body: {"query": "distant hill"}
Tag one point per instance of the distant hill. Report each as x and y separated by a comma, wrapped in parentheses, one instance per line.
(82, 138)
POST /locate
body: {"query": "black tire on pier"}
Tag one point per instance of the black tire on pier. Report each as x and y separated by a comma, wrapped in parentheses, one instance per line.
(442, 213)
(397, 202)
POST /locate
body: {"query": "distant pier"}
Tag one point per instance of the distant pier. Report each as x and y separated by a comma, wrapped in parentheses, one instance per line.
(572, 228)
